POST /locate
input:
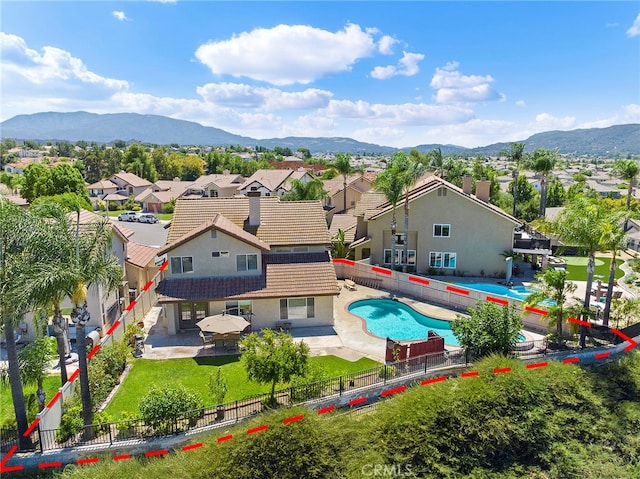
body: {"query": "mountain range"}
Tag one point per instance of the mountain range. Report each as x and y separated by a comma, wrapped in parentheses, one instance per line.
(614, 141)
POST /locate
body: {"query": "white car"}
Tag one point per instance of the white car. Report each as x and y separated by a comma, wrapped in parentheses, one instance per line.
(147, 218)
(128, 216)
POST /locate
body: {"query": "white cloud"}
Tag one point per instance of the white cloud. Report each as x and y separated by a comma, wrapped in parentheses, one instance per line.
(52, 69)
(120, 15)
(521, 103)
(627, 114)
(385, 44)
(634, 30)
(246, 96)
(474, 133)
(287, 54)
(407, 66)
(547, 122)
(453, 87)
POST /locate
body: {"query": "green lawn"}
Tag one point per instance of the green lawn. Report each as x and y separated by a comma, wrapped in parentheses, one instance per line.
(7, 415)
(577, 268)
(193, 374)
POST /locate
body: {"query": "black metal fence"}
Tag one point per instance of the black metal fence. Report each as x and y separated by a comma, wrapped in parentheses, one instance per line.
(132, 431)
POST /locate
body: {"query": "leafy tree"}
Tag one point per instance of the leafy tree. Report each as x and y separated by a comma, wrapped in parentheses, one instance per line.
(66, 200)
(306, 153)
(555, 193)
(34, 364)
(625, 311)
(411, 172)
(515, 154)
(489, 329)
(162, 407)
(191, 167)
(437, 161)
(339, 249)
(136, 160)
(628, 170)
(614, 239)
(553, 285)
(273, 358)
(95, 165)
(37, 182)
(343, 165)
(304, 191)
(217, 386)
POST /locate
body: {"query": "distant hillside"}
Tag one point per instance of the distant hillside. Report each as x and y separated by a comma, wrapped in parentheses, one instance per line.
(154, 129)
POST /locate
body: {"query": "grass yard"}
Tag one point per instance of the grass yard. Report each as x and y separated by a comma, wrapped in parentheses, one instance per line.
(193, 374)
(577, 268)
(7, 415)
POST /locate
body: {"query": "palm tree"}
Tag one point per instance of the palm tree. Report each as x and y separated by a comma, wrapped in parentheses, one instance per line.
(581, 224)
(34, 363)
(339, 249)
(343, 165)
(304, 191)
(390, 184)
(614, 239)
(628, 170)
(543, 161)
(411, 172)
(553, 285)
(437, 161)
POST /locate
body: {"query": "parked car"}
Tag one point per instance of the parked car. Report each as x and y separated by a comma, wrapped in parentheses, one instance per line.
(147, 218)
(128, 216)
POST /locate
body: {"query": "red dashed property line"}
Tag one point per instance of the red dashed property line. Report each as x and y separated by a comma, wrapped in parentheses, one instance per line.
(503, 302)
(419, 280)
(537, 365)
(93, 352)
(55, 397)
(159, 452)
(45, 465)
(390, 392)
(453, 289)
(147, 286)
(570, 360)
(122, 457)
(602, 355)
(360, 400)
(327, 409)
(289, 420)
(539, 311)
(254, 430)
(501, 370)
(164, 266)
(91, 460)
(225, 438)
(580, 322)
(73, 376)
(376, 269)
(192, 446)
(470, 374)
(113, 328)
(344, 261)
(631, 341)
(433, 380)
(131, 305)
(32, 426)
(6, 458)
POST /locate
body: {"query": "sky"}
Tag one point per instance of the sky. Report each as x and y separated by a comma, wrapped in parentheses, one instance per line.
(391, 73)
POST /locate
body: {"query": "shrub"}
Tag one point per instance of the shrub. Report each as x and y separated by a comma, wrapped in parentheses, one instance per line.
(161, 408)
(129, 333)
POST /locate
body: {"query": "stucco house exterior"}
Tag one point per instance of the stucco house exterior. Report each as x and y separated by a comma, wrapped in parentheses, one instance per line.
(256, 256)
(451, 231)
(334, 202)
(273, 182)
(223, 185)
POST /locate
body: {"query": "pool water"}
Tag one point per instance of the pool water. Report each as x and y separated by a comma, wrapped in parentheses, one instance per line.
(517, 292)
(386, 318)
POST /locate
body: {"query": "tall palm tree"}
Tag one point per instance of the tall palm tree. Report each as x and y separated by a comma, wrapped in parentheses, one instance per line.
(628, 170)
(553, 285)
(437, 161)
(303, 191)
(581, 224)
(543, 161)
(614, 239)
(390, 184)
(412, 170)
(343, 165)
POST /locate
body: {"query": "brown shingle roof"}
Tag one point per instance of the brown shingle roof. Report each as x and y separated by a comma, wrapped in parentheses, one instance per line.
(219, 223)
(346, 223)
(280, 280)
(281, 222)
(270, 179)
(131, 179)
(141, 255)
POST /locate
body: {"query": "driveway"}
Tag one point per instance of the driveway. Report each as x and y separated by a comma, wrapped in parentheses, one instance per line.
(152, 234)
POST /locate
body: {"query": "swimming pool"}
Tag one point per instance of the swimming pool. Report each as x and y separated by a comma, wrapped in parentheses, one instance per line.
(387, 318)
(516, 292)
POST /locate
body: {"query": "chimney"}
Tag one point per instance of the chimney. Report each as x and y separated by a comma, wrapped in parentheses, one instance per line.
(482, 190)
(466, 184)
(226, 172)
(254, 208)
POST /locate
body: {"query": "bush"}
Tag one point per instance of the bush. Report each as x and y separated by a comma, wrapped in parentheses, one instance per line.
(105, 369)
(71, 422)
(161, 408)
(129, 333)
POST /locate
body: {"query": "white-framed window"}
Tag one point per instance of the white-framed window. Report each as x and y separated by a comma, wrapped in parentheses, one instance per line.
(219, 254)
(239, 308)
(297, 308)
(400, 256)
(441, 230)
(214, 234)
(439, 259)
(247, 262)
(181, 264)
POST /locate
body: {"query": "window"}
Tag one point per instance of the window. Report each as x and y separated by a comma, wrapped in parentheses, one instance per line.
(297, 308)
(443, 231)
(239, 308)
(300, 249)
(214, 193)
(181, 264)
(400, 256)
(214, 234)
(247, 262)
(219, 254)
(442, 260)
(442, 192)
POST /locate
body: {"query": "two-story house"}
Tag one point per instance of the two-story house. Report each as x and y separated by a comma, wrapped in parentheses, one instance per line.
(335, 199)
(223, 185)
(157, 196)
(255, 256)
(451, 231)
(273, 182)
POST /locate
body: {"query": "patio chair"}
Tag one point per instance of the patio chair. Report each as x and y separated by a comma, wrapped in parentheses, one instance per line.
(206, 338)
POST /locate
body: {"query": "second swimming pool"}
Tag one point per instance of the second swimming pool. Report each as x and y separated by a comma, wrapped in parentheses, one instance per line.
(387, 318)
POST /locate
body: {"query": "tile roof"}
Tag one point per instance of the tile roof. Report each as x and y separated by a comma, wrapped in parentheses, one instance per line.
(219, 223)
(279, 280)
(131, 179)
(270, 179)
(369, 200)
(220, 180)
(281, 222)
(89, 217)
(431, 183)
(141, 255)
(346, 223)
(103, 185)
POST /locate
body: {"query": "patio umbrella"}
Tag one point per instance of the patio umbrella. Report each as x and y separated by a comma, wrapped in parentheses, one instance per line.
(222, 324)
